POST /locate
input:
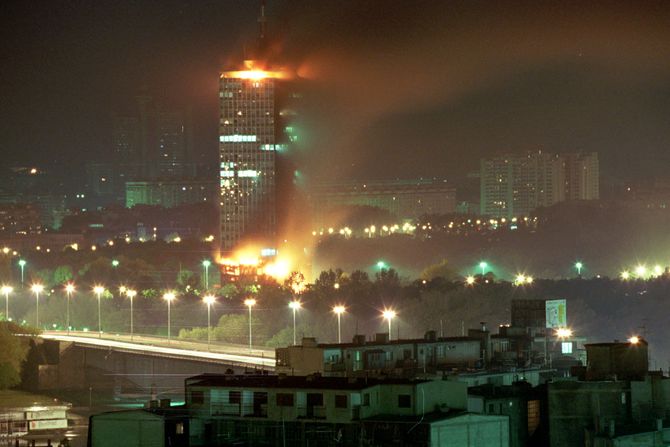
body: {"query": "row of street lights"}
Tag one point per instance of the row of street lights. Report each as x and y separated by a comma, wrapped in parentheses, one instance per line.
(169, 296)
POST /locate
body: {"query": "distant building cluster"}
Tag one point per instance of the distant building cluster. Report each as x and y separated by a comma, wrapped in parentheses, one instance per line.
(403, 199)
(154, 146)
(516, 185)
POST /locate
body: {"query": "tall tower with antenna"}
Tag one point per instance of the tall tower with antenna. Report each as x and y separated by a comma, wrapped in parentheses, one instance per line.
(250, 135)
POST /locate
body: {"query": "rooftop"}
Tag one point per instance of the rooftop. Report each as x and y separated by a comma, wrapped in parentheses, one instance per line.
(408, 341)
(306, 382)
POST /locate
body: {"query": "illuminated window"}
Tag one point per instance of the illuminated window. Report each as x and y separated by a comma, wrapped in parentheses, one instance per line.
(566, 347)
(237, 138)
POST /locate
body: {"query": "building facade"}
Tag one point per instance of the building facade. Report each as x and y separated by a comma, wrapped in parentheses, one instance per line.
(400, 358)
(170, 193)
(250, 134)
(404, 199)
(515, 185)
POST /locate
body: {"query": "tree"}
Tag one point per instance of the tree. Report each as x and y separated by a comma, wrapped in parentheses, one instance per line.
(13, 351)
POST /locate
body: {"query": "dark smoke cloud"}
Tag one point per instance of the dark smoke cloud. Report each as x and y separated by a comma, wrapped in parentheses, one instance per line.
(448, 82)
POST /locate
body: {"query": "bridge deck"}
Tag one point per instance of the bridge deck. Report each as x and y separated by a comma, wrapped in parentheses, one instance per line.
(156, 346)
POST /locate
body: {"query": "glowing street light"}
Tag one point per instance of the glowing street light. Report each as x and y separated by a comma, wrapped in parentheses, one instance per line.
(389, 315)
(470, 280)
(115, 263)
(563, 333)
(625, 275)
(131, 294)
(634, 340)
(658, 271)
(294, 306)
(250, 302)
(209, 300)
(169, 297)
(99, 290)
(22, 265)
(205, 264)
(529, 279)
(37, 289)
(339, 310)
(579, 266)
(483, 265)
(69, 290)
(6, 290)
(641, 271)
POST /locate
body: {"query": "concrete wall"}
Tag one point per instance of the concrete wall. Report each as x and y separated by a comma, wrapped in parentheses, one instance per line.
(471, 431)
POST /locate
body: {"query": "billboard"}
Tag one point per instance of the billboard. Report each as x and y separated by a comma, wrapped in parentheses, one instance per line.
(556, 313)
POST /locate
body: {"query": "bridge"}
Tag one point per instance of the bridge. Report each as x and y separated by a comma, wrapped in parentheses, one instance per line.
(219, 353)
(144, 365)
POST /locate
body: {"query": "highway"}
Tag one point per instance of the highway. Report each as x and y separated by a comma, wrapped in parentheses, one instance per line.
(218, 353)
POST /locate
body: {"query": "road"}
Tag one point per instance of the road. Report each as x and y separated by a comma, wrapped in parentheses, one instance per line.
(218, 352)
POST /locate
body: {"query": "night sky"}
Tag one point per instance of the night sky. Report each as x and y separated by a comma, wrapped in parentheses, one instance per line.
(396, 88)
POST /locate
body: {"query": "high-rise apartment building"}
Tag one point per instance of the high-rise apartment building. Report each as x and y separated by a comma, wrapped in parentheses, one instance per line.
(582, 178)
(249, 136)
(515, 185)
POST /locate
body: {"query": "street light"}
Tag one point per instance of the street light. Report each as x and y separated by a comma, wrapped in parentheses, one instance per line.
(563, 332)
(250, 302)
(483, 265)
(579, 266)
(99, 290)
(6, 290)
(625, 275)
(37, 289)
(294, 306)
(22, 265)
(206, 263)
(634, 340)
(470, 280)
(131, 294)
(339, 310)
(389, 314)
(115, 263)
(169, 297)
(69, 289)
(209, 300)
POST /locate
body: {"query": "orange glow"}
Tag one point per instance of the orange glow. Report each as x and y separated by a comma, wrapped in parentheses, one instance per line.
(280, 269)
(254, 72)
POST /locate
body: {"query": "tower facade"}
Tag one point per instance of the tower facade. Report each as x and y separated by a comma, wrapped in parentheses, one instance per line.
(249, 136)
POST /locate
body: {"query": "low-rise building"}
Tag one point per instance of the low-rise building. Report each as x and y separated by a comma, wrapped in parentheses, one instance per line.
(381, 356)
(310, 410)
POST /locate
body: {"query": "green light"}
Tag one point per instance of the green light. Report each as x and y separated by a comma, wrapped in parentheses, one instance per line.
(22, 262)
(115, 263)
(381, 264)
(206, 263)
(579, 265)
(483, 265)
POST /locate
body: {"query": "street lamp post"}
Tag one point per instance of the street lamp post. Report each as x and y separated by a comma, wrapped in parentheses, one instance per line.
(168, 296)
(131, 294)
(250, 302)
(69, 289)
(389, 315)
(99, 290)
(206, 263)
(6, 290)
(579, 266)
(209, 300)
(483, 265)
(294, 306)
(22, 265)
(339, 310)
(37, 289)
